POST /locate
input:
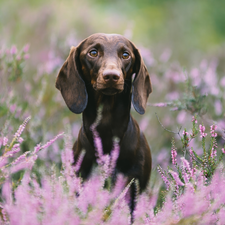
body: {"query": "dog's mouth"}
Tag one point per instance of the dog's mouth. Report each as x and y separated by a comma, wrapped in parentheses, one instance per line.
(110, 91)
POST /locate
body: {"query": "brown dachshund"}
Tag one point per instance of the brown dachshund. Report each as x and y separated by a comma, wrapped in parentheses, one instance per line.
(99, 72)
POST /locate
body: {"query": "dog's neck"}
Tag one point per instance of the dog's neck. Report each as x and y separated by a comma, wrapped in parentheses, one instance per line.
(115, 115)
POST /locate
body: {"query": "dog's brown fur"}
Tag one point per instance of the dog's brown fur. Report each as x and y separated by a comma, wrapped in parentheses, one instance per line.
(99, 71)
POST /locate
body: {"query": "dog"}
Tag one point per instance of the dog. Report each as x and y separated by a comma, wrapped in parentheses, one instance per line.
(108, 70)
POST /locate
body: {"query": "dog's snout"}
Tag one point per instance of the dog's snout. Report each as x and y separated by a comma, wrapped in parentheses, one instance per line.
(111, 75)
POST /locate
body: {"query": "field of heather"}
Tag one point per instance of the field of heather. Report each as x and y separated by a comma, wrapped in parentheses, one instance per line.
(183, 46)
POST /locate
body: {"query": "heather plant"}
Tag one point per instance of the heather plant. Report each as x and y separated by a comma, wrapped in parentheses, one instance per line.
(192, 186)
(40, 184)
(193, 195)
(12, 62)
(56, 196)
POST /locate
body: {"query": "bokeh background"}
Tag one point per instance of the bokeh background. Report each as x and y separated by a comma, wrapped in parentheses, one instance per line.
(182, 43)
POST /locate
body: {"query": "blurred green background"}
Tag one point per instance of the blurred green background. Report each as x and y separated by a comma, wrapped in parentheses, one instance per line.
(176, 37)
(186, 27)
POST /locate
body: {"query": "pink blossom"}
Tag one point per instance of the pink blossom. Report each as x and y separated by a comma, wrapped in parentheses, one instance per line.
(105, 163)
(176, 178)
(38, 147)
(202, 129)
(212, 131)
(160, 104)
(5, 141)
(185, 133)
(194, 119)
(213, 152)
(26, 48)
(15, 149)
(174, 155)
(186, 164)
(22, 127)
(3, 161)
(186, 170)
(13, 50)
(114, 155)
(79, 161)
(26, 56)
(18, 58)
(21, 158)
(20, 139)
(122, 196)
(223, 150)
(98, 146)
(166, 181)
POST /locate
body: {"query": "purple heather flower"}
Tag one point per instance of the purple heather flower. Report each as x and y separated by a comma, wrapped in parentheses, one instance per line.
(191, 154)
(7, 192)
(26, 48)
(119, 186)
(202, 129)
(114, 155)
(176, 178)
(212, 130)
(13, 50)
(98, 146)
(18, 58)
(213, 152)
(173, 156)
(22, 127)
(79, 161)
(185, 132)
(122, 195)
(20, 139)
(194, 119)
(15, 149)
(21, 158)
(5, 141)
(160, 104)
(186, 164)
(38, 147)
(166, 181)
(26, 56)
(3, 161)
(186, 170)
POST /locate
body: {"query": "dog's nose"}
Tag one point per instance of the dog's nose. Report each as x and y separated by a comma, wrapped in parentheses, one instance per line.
(111, 75)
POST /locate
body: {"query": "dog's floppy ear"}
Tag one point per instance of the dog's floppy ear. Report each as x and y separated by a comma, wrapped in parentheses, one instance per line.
(71, 85)
(141, 87)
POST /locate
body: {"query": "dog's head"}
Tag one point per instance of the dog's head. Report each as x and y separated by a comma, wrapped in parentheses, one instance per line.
(105, 61)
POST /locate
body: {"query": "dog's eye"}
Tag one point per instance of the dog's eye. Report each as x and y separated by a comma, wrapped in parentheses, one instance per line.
(93, 53)
(125, 55)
